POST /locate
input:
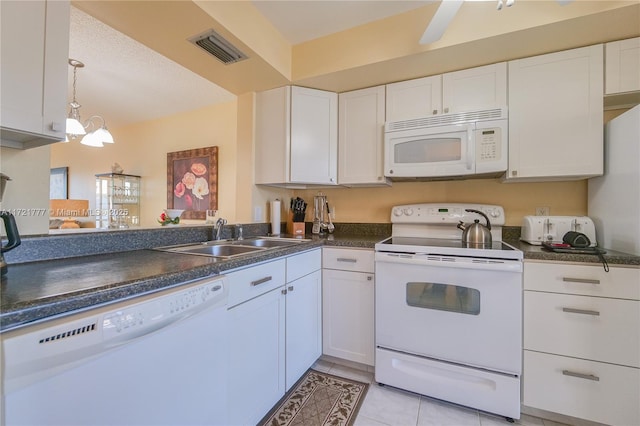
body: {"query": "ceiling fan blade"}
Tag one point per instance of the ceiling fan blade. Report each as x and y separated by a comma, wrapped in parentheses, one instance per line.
(440, 21)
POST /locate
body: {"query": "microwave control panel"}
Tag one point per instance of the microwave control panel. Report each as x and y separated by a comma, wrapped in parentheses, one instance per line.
(488, 144)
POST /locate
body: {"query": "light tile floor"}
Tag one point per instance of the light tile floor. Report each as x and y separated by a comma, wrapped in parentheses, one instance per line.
(387, 406)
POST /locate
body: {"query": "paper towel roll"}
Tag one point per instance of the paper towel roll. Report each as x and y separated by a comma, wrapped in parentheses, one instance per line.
(275, 217)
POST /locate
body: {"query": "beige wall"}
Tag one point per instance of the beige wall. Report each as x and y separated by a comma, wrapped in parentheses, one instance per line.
(518, 199)
(27, 194)
(141, 149)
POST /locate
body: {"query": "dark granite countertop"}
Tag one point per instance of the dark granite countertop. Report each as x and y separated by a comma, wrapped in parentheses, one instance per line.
(35, 291)
(612, 257)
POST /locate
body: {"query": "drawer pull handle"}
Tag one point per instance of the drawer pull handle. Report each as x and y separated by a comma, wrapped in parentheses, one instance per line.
(580, 280)
(581, 311)
(261, 281)
(346, 259)
(581, 375)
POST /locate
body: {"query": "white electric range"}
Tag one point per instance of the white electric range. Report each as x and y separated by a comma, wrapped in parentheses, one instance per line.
(448, 314)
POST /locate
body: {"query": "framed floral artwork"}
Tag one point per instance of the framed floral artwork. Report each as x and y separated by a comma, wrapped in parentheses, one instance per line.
(192, 181)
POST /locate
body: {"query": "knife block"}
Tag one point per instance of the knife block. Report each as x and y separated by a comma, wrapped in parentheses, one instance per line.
(294, 228)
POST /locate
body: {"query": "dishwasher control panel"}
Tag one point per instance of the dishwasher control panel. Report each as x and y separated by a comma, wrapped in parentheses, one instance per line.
(149, 315)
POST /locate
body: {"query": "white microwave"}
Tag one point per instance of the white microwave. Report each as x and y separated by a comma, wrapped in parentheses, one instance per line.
(459, 144)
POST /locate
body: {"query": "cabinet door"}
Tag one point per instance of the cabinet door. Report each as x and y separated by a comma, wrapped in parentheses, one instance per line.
(416, 98)
(314, 136)
(272, 136)
(256, 357)
(475, 88)
(361, 137)
(555, 115)
(348, 321)
(622, 64)
(304, 325)
(35, 49)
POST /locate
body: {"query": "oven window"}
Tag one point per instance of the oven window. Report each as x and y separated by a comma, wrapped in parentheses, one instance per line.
(443, 297)
(434, 150)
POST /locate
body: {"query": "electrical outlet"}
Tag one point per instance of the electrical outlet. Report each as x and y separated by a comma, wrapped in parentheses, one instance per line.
(542, 211)
(257, 214)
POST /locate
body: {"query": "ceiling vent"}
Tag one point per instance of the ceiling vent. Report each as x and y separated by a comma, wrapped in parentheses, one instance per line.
(217, 46)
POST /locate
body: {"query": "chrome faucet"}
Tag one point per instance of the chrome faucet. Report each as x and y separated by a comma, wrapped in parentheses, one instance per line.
(218, 228)
(239, 232)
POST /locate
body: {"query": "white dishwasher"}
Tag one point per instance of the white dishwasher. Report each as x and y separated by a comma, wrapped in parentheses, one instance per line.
(157, 359)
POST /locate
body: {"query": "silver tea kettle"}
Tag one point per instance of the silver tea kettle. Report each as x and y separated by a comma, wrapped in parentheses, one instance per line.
(476, 234)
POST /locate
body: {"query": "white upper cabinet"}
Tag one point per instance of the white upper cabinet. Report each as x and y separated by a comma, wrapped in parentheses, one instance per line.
(465, 90)
(34, 55)
(555, 116)
(361, 137)
(416, 98)
(296, 137)
(622, 66)
(475, 88)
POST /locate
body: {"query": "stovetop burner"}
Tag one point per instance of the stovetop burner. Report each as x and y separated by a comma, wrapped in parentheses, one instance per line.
(447, 247)
(439, 242)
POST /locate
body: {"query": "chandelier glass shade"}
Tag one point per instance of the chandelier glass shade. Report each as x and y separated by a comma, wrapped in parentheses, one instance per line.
(76, 129)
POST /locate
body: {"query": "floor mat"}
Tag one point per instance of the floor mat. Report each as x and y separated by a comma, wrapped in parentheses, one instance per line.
(318, 399)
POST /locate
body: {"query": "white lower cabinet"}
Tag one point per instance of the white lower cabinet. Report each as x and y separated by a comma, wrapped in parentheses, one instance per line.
(256, 357)
(304, 325)
(582, 341)
(275, 334)
(348, 304)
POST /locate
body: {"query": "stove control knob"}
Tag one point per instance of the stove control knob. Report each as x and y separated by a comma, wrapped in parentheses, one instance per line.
(494, 213)
(408, 211)
(397, 212)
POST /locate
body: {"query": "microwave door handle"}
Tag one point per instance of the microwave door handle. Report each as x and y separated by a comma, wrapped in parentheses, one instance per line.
(470, 153)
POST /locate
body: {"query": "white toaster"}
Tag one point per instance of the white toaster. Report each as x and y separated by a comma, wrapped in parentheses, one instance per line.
(537, 229)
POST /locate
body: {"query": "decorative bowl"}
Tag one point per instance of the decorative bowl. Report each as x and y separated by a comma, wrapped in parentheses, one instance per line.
(173, 213)
(170, 217)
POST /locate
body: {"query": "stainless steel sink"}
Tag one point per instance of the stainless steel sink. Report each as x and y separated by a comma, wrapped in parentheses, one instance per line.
(269, 242)
(232, 248)
(226, 250)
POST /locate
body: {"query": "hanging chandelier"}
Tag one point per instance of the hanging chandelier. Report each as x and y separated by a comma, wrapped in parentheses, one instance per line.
(91, 134)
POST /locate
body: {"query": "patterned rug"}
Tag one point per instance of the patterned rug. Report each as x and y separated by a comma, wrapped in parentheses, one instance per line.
(318, 399)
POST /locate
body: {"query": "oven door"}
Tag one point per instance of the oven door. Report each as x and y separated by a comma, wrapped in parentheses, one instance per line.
(430, 152)
(456, 309)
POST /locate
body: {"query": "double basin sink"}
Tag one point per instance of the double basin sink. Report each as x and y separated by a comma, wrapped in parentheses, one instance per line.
(227, 249)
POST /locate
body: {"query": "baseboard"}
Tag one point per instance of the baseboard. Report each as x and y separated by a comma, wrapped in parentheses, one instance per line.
(557, 417)
(348, 363)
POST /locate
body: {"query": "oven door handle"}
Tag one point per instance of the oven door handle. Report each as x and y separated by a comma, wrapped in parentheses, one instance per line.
(449, 262)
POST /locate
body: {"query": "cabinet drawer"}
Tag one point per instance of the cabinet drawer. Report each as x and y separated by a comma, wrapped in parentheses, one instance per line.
(254, 281)
(303, 264)
(588, 280)
(593, 328)
(590, 390)
(359, 260)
